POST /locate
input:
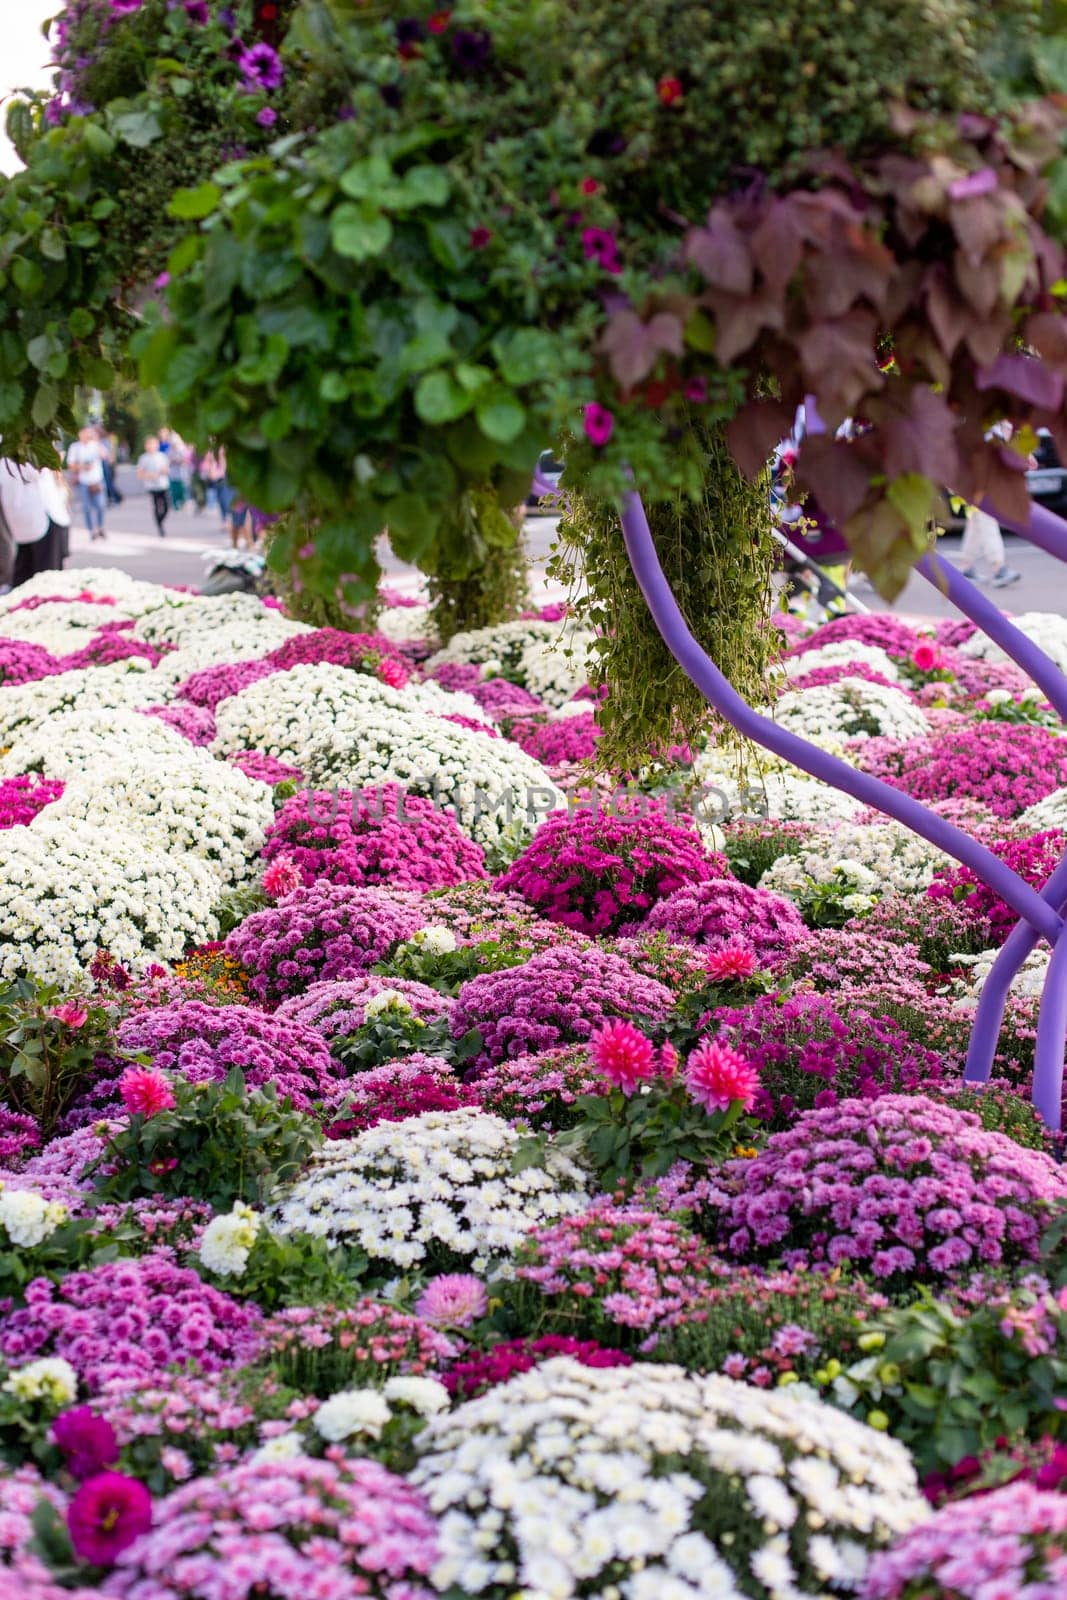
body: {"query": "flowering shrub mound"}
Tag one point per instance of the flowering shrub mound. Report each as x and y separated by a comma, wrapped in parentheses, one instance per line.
(203, 1043)
(700, 1458)
(359, 652)
(374, 836)
(904, 1188)
(23, 1575)
(541, 1089)
(292, 1528)
(398, 1090)
(499, 697)
(722, 911)
(681, 967)
(1002, 1546)
(833, 958)
(135, 1315)
(19, 1134)
(615, 1272)
(559, 997)
(1006, 767)
(557, 742)
(476, 1373)
(194, 723)
(210, 685)
(320, 1349)
(22, 797)
(879, 629)
(809, 1052)
(852, 708)
(322, 932)
(334, 1009)
(24, 662)
(442, 1195)
(598, 873)
(1034, 859)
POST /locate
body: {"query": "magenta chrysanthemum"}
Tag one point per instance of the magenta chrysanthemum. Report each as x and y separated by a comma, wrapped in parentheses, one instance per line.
(716, 1076)
(624, 1055)
(452, 1300)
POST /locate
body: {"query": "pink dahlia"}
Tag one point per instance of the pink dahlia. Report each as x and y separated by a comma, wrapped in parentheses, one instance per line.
(452, 1300)
(716, 1075)
(145, 1092)
(70, 1013)
(392, 672)
(281, 878)
(623, 1054)
(926, 656)
(731, 961)
(106, 1515)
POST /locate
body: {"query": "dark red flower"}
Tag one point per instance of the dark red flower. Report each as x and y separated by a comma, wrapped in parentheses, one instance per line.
(479, 238)
(87, 1441)
(670, 91)
(438, 22)
(589, 186)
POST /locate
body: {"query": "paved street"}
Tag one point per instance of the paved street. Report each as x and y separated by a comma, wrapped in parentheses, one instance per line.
(183, 558)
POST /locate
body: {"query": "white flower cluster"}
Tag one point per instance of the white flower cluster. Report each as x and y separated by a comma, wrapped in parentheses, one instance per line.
(446, 1185)
(68, 889)
(852, 708)
(401, 624)
(1028, 983)
(77, 742)
(1047, 629)
(25, 707)
(873, 858)
(435, 939)
(556, 672)
(227, 619)
(28, 1218)
(490, 787)
(504, 644)
(131, 596)
(572, 1480)
(187, 803)
(355, 1411)
(1051, 812)
(228, 1239)
(51, 1379)
(842, 652)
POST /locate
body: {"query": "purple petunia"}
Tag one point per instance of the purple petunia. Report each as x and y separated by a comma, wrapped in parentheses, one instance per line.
(261, 67)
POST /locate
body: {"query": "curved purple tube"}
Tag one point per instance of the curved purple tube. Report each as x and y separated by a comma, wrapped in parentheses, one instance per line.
(1051, 1037)
(867, 790)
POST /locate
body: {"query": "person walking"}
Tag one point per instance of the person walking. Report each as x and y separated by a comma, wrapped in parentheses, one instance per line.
(177, 466)
(55, 494)
(152, 470)
(983, 540)
(37, 542)
(213, 472)
(107, 457)
(86, 465)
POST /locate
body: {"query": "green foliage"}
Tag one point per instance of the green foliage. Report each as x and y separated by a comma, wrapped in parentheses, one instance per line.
(752, 847)
(717, 553)
(237, 904)
(132, 413)
(294, 1270)
(953, 1382)
(448, 971)
(479, 575)
(44, 1059)
(219, 1143)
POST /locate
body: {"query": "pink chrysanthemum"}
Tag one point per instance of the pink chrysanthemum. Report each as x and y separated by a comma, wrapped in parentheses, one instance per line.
(926, 656)
(144, 1092)
(733, 960)
(716, 1075)
(452, 1300)
(392, 672)
(281, 877)
(624, 1055)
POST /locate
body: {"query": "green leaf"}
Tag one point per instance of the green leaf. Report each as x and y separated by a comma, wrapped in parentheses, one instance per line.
(501, 418)
(185, 252)
(368, 179)
(527, 356)
(425, 186)
(193, 204)
(439, 398)
(913, 496)
(359, 232)
(139, 128)
(45, 404)
(51, 245)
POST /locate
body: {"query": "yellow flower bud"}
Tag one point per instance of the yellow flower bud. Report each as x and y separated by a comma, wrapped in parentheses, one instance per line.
(834, 1369)
(785, 1378)
(878, 1420)
(889, 1373)
(871, 1341)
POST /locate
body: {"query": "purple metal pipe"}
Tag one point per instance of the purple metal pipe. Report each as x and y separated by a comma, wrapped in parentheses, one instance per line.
(974, 604)
(1051, 1036)
(867, 790)
(1045, 529)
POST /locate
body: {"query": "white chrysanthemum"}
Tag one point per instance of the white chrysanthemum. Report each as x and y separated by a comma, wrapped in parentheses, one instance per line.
(131, 596)
(504, 644)
(424, 1395)
(51, 1379)
(402, 624)
(872, 858)
(74, 743)
(842, 652)
(1044, 815)
(1047, 629)
(228, 1241)
(387, 1000)
(1028, 982)
(26, 707)
(556, 671)
(28, 1218)
(217, 617)
(68, 889)
(190, 803)
(283, 1447)
(435, 939)
(352, 1412)
(852, 708)
(521, 1480)
(447, 1185)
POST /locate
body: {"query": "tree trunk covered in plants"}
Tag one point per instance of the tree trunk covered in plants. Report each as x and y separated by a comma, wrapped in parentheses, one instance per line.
(718, 556)
(485, 580)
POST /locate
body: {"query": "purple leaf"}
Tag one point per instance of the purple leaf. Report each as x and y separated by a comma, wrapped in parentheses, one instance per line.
(1026, 377)
(720, 253)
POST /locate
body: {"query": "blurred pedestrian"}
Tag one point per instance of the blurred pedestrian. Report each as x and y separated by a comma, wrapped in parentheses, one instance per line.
(36, 537)
(983, 540)
(107, 457)
(85, 463)
(213, 472)
(154, 473)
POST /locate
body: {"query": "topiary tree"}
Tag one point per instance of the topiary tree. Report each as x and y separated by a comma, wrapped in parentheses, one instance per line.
(509, 225)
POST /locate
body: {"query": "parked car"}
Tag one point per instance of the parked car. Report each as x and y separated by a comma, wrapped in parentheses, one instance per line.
(549, 470)
(1047, 482)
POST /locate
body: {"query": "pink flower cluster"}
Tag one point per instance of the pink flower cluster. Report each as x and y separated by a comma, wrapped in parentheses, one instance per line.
(19, 1134)
(598, 872)
(325, 931)
(23, 662)
(398, 1090)
(268, 769)
(330, 1528)
(1001, 1546)
(558, 997)
(723, 911)
(373, 836)
(373, 1338)
(903, 1187)
(136, 1315)
(809, 1051)
(1034, 859)
(23, 1575)
(541, 1089)
(193, 722)
(479, 1372)
(1007, 767)
(361, 652)
(202, 1043)
(214, 684)
(23, 797)
(615, 1267)
(556, 743)
(881, 629)
(338, 1008)
(832, 958)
